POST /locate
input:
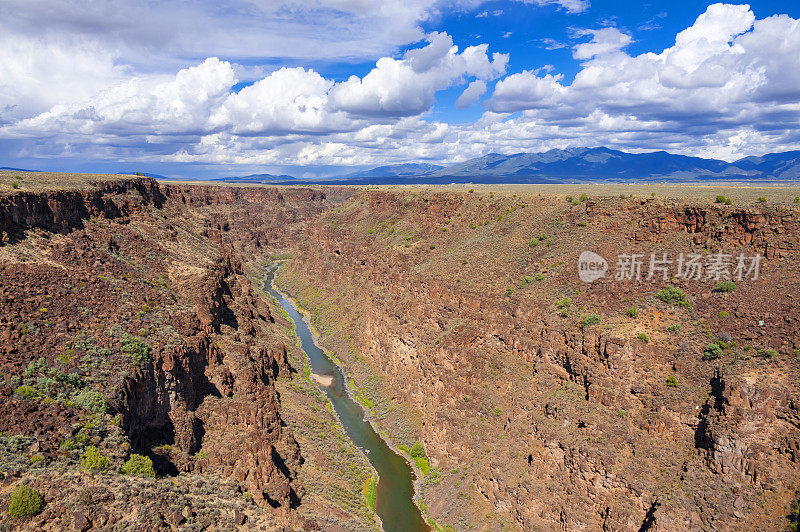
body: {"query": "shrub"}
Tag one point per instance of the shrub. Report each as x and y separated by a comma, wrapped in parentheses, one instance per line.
(93, 460)
(725, 286)
(29, 392)
(539, 277)
(533, 242)
(526, 281)
(672, 381)
(543, 236)
(14, 185)
(136, 348)
(433, 246)
(590, 319)
(675, 327)
(471, 190)
(721, 199)
(673, 296)
(643, 337)
(563, 303)
(723, 314)
(632, 312)
(138, 466)
(712, 351)
(797, 199)
(24, 502)
(92, 401)
(762, 199)
(509, 291)
(584, 197)
(569, 199)
(768, 353)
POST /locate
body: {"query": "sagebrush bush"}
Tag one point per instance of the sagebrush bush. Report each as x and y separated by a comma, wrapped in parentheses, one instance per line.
(138, 466)
(93, 460)
(673, 296)
(590, 319)
(632, 312)
(92, 401)
(712, 351)
(24, 502)
(725, 286)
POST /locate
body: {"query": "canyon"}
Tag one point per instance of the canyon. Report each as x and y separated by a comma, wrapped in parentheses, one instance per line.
(135, 321)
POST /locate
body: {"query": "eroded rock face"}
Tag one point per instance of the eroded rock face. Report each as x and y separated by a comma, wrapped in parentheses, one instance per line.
(143, 295)
(534, 419)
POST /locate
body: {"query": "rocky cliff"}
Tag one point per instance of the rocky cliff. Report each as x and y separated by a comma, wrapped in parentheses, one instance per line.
(132, 324)
(547, 403)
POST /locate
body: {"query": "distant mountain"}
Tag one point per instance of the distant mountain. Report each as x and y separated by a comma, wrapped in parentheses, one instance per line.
(395, 170)
(590, 164)
(258, 178)
(781, 166)
(16, 169)
(564, 166)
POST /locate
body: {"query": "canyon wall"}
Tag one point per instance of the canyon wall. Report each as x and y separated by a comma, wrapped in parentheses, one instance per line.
(463, 323)
(133, 323)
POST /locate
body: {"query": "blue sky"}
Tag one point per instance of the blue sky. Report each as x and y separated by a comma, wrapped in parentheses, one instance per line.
(313, 87)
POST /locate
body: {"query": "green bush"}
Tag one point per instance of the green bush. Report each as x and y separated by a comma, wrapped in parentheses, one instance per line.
(762, 199)
(136, 348)
(539, 277)
(590, 319)
(569, 199)
(138, 466)
(712, 351)
(675, 327)
(533, 242)
(93, 460)
(797, 199)
(632, 312)
(672, 381)
(563, 303)
(768, 353)
(14, 185)
(584, 197)
(92, 401)
(525, 281)
(543, 236)
(725, 286)
(723, 314)
(643, 337)
(673, 296)
(24, 502)
(29, 392)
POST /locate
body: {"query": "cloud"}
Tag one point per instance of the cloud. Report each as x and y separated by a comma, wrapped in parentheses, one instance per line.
(728, 87)
(406, 87)
(471, 94)
(604, 41)
(727, 76)
(198, 104)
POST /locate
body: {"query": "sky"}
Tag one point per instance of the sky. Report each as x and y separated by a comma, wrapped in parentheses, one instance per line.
(318, 87)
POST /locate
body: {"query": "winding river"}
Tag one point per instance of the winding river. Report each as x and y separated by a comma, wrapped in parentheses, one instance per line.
(394, 501)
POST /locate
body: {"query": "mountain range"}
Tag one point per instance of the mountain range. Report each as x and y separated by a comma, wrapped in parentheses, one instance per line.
(569, 165)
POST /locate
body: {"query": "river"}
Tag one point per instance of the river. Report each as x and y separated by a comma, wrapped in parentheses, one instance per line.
(394, 501)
